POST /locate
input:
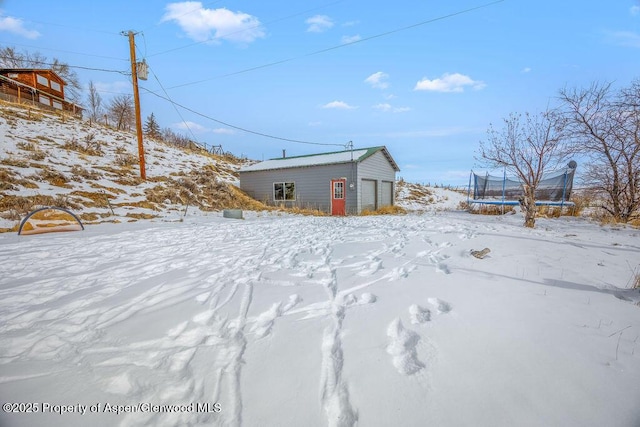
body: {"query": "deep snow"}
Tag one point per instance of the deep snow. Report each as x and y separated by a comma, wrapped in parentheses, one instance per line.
(289, 320)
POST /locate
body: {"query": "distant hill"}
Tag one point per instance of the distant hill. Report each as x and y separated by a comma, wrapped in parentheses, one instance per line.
(47, 159)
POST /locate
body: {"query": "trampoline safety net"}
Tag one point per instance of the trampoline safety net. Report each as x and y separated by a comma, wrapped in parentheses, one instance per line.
(555, 187)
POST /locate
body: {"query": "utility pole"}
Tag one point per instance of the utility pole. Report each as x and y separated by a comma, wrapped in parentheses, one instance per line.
(136, 100)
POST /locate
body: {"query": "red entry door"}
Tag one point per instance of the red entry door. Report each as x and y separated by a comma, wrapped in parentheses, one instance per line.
(338, 196)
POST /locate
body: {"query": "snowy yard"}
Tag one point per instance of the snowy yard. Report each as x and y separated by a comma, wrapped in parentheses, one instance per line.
(315, 321)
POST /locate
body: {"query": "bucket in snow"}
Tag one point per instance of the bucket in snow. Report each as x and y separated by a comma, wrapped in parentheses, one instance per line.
(232, 213)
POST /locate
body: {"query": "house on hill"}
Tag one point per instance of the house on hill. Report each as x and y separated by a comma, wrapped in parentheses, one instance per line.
(39, 87)
(339, 183)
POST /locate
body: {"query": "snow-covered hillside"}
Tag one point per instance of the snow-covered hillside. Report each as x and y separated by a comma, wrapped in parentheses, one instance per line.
(93, 170)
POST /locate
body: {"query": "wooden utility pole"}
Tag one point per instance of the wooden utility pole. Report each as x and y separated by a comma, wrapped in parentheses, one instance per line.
(136, 100)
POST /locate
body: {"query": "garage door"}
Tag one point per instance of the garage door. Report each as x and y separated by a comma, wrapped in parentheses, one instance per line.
(387, 193)
(368, 195)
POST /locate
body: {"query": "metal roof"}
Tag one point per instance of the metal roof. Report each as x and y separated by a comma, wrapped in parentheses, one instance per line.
(356, 155)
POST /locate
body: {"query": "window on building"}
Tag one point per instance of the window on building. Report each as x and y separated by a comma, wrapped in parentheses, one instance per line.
(57, 104)
(45, 100)
(338, 190)
(284, 191)
(42, 80)
(56, 86)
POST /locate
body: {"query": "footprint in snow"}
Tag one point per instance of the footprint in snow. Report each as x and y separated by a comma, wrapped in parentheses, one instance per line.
(419, 314)
(441, 306)
(402, 348)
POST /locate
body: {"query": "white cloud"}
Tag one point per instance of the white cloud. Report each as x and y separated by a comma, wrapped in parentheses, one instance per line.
(190, 126)
(626, 38)
(203, 24)
(388, 108)
(635, 10)
(16, 26)
(526, 70)
(223, 131)
(319, 23)
(455, 82)
(315, 124)
(382, 107)
(340, 105)
(116, 88)
(433, 133)
(378, 80)
(351, 39)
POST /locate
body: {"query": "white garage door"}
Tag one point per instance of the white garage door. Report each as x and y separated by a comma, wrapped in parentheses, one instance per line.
(368, 195)
(387, 193)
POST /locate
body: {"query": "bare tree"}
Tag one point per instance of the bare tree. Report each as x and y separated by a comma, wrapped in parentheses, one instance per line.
(605, 126)
(73, 91)
(94, 100)
(526, 147)
(171, 137)
(121, 112)
(10, 58)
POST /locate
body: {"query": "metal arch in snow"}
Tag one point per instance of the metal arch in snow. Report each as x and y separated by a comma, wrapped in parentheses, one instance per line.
(43, 230)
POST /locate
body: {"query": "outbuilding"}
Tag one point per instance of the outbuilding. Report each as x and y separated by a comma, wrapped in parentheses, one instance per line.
(339, 183)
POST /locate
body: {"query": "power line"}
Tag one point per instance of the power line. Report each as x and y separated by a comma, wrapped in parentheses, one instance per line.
(71, 52)
(173, 104)
(244, 29)
(71, 27)
(50, 64)
(317, 52)
(238, 127)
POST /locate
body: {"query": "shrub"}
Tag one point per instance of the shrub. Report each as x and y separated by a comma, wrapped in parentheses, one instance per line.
(27, 146)
(80, 173)
(126, 160)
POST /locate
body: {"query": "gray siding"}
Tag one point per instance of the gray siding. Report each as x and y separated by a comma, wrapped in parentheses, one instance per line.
(378, 168)
(313, 185)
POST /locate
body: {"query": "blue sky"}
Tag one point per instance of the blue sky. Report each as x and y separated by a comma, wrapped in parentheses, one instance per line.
(426, 78)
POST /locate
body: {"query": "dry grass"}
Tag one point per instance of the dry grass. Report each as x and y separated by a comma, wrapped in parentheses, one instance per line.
(144, 204)
(27, 146)
(52, 177)
(45, 138)
(97, 199)
(90, 146)
(303, 211)
(141, 215)
(480, 209)
(15, 207)
(89, 216)
(113, 190)
(202, 189)
(385, 210)
(15, 162)
(80, 174)
(129, 180)
(7, 178)
(126, 160)
(38, 155)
